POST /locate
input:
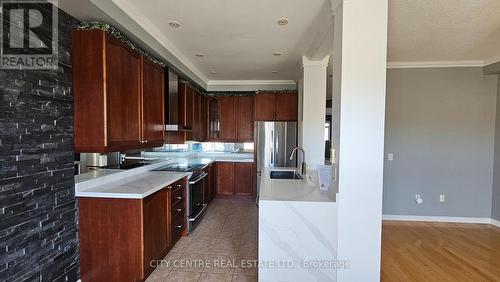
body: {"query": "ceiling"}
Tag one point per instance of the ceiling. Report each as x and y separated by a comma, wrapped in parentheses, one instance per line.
(236, 37)
(444, 31)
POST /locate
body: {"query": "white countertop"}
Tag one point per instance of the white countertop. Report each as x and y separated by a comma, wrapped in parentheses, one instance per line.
(304, 190)
(140, 182)
(133, 187)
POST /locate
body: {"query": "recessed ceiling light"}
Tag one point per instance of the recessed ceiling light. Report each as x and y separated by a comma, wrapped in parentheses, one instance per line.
(278, 53)
(213, 72)
(199, 55)
(282, 21)
(174, 24)
(275, 71)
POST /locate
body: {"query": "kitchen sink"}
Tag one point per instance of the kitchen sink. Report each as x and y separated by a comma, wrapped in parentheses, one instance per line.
(285, 174)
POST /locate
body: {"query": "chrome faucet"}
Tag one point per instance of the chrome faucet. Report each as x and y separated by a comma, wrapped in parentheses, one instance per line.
(303, 166)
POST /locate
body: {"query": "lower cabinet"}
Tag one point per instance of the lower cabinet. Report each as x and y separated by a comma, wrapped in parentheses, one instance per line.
(120, 237)
(235, 179)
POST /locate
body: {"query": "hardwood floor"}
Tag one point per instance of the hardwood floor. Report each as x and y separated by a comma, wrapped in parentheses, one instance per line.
(423, 251)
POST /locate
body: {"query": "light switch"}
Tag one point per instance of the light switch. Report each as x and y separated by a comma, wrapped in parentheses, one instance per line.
(390, 156)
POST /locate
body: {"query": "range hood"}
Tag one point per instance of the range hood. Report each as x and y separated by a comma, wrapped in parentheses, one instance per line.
(173, 103)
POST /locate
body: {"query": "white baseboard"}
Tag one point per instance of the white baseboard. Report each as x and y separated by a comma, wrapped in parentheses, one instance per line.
(495, 222)
(439, 219)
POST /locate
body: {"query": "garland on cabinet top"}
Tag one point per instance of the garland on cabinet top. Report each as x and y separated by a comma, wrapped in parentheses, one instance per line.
(120, 36)
(247, 93)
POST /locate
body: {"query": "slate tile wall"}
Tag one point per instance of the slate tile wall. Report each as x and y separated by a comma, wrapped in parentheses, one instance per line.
(38, 215)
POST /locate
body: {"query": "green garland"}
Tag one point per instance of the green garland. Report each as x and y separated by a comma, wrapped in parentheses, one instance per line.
(120, 36)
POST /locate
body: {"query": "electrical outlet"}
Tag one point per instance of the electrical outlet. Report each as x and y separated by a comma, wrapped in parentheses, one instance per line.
(418, 199)
(442, 198)
(390, 157)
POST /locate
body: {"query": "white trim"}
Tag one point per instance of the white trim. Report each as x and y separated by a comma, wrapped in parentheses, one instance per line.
(438, 218)
(491, 61)
(250, 82)
(495, 222)
(319, 63)
(435, 64)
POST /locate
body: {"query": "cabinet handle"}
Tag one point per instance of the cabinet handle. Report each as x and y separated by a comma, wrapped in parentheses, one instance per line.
(179, 185)
(179, 198)
(169, 187)
(179, 226)
(145, 141)
(179, 210)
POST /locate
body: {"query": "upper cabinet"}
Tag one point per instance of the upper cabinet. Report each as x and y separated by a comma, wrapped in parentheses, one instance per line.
(228, 118)
(213, 119)
(231, 118)
(152, 109)
(186, 105)
(264, 107)
(245, 118)
(276, 107)
(118, 95)
(198, 116)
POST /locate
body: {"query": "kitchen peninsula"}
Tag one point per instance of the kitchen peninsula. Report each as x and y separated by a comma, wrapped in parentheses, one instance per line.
(297, 228)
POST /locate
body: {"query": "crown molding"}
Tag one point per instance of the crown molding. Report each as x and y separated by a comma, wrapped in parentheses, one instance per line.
(250, 82)
(434, 64)
(147, 25)
(250, 85)
(320, 63)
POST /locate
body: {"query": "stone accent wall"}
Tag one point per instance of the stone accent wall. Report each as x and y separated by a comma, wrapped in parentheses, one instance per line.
(38, 213)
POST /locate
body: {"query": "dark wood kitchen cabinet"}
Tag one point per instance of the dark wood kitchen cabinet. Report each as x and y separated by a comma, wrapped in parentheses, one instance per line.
(264, 107)
(228, 118)
(225, 178)
(231, 119)
(153, 95)
(213, 108)
(243, 172)
(276, 107)
(118, 95)
(119, 237)
(245, 118)
(286, 107)
(199, 116)
(186, 109)
(235, 179)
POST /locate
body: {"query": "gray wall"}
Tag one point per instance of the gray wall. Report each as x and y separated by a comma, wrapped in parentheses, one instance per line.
(495, 209)
(440, 125)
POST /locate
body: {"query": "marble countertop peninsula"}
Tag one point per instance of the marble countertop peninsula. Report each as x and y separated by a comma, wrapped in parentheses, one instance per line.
(306, 190)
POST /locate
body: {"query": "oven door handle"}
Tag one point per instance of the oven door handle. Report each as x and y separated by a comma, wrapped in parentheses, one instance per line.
(194, 181)
(199, 213)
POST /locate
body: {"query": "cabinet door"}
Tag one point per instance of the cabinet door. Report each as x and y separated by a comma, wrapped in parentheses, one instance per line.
(225, 178)
(153, 114)
(286, 107)
(196, 116)
(123, 72)
(213, 180)
(244, 173)
(245, 118)
(228, 118)
(264, 107)
(155, 230)
(213, 119)
(185, 105)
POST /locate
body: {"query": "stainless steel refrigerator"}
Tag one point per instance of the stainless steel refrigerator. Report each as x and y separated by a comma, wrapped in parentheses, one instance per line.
(275, 142)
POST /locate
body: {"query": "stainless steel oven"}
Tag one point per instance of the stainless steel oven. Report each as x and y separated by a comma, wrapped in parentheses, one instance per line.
(195, 194)
(196, 205)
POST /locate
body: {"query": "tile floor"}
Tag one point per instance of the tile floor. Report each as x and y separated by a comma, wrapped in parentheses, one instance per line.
(222, 248)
